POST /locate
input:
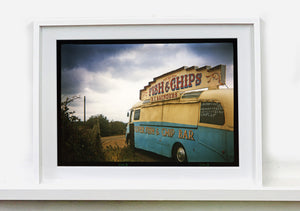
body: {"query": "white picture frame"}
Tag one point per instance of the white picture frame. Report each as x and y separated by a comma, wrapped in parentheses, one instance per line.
(148, 183)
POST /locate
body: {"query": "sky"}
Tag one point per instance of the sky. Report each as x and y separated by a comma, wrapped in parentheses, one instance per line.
(111, 75)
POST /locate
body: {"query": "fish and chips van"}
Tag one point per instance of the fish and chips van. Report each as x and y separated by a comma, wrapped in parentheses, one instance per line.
(186, 116)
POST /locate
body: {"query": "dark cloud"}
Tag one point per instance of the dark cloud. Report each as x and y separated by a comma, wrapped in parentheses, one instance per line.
(71, 82)
(76, 80)
(81, 63)
(141, 58)
(214, 53)
(89, 56)
(93, 56)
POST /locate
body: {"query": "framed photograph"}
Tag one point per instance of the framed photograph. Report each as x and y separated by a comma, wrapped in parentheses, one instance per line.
(143, 105)
(177, 113)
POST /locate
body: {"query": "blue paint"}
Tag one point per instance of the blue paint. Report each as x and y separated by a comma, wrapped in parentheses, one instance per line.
(209, 144)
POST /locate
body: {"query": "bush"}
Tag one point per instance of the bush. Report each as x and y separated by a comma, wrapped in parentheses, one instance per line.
(77, 142)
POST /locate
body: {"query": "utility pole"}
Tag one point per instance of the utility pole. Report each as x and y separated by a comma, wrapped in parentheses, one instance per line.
(84, 107)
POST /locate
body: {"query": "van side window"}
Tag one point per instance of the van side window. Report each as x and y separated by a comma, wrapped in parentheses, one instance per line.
(212, 113)
(137, 114)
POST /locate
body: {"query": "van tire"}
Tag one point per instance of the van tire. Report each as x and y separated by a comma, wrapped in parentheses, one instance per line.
(179, 153)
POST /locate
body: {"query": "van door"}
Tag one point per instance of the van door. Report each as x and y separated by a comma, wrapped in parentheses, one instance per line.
(131, 130)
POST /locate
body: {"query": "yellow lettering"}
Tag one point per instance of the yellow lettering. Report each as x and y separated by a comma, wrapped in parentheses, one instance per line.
(191, 135)
(180, 134)
(185, 135)
(139, 129)
(173, 132)
(168, 132)
(150, 130)
(163, 132)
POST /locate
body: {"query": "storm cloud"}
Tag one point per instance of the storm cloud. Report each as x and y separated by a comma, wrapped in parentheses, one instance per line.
(88, 55)
(100, 71)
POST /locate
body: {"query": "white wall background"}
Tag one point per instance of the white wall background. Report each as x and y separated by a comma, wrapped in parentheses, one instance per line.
(280, 49)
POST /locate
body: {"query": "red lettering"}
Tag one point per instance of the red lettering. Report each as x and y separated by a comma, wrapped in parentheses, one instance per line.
(167, 86)
(155, 89)
(161, 87)
(198, 78)
(191, 79)
(173, 84)
(185, 81)
(181, 82)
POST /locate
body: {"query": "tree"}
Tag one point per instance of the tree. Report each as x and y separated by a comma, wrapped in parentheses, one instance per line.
(77, 142)
(108, 128)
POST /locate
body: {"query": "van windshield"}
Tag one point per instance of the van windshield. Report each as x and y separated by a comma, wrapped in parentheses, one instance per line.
(137, 114)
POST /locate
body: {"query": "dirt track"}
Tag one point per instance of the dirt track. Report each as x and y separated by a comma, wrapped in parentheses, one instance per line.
(114, 141)
(144, 156)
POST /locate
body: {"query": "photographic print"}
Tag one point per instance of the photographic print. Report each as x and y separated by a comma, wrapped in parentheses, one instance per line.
(158, 102)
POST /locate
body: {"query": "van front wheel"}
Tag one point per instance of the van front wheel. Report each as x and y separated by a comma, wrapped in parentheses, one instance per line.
(179, 154)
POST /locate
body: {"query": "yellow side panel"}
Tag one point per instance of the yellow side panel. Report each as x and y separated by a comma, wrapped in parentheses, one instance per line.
(181, 113)
(151, 114)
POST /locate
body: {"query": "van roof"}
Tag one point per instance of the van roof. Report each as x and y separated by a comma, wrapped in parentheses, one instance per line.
(224, 95)
(138, 104)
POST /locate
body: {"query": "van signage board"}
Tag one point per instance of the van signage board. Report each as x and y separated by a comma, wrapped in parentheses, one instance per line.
(168, 86)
